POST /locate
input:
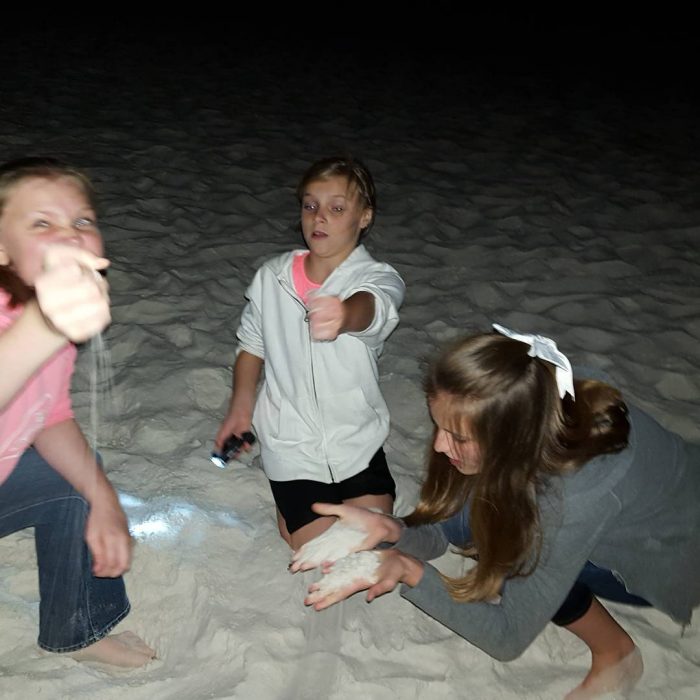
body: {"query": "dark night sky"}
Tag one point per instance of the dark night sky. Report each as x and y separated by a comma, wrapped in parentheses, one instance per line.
(436, 52)
(646, 51)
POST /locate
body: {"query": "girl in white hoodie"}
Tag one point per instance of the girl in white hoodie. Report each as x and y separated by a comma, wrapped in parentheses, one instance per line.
(317, 320)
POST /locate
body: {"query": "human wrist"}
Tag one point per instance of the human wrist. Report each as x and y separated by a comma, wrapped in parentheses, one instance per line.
(242, 404)
(395, 527)
(51, 335)
(101, 493)
(412, 570)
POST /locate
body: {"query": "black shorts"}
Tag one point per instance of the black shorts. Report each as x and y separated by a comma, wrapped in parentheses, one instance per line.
(294, 498)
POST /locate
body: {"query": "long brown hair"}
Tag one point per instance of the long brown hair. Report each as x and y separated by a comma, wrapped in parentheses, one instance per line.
(13, 173)
(509, 403)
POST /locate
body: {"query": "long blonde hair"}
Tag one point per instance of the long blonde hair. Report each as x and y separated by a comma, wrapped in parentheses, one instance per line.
(525, 434)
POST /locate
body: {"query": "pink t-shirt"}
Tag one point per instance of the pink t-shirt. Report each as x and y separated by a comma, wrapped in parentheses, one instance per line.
(43, 401)
(302, 284)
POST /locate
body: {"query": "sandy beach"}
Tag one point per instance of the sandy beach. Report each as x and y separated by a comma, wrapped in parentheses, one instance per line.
(550, 195)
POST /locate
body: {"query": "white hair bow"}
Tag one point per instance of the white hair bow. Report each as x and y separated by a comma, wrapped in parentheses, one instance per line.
(546, 349)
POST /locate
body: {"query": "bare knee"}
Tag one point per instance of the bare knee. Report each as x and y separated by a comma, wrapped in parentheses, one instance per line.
(308, 532)
(282, 526)
(383, 502)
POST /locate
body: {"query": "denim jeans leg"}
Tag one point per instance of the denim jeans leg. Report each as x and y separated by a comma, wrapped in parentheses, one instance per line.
(457, 528)
(604, 584)
(593, 581)
(76, 608)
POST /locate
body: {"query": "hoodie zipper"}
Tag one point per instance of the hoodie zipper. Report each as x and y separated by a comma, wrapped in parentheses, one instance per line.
(292, 293)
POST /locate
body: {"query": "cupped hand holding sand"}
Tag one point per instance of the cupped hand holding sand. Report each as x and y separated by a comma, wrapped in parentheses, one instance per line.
(339, 540)
(380, 572)
(352, 573)
(72, 295)
(356, 529)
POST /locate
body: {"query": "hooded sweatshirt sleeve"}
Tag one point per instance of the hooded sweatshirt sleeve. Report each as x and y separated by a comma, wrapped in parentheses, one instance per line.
(504, 628)
(249, 333)
(388, 289)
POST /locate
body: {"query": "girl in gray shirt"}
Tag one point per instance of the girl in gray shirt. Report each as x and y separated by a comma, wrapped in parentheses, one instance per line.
(560, 491)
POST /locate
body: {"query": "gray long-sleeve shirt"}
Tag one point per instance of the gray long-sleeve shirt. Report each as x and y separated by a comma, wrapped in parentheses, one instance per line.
(636, 513)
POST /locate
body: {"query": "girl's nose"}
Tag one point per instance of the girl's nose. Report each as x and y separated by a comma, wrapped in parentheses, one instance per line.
(69, 235)
(440, 443)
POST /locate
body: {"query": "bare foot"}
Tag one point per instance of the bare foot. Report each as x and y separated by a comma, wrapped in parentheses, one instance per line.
(616, 680)
(124, 649)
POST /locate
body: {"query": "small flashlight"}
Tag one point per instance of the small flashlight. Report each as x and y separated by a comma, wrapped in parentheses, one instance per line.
(232, 445)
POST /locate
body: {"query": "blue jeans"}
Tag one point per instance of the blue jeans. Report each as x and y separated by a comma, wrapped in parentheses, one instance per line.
(591, 581)
(76, 608)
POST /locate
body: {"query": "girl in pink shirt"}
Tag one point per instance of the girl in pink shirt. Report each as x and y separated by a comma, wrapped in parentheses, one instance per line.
(51, 295)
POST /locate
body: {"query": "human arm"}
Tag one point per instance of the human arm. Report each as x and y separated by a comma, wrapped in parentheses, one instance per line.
(355, 530)
(238, 419)
(504, 628)
(330, 316)
(26, 345)
(394, 567)
(247, 366)
(372, 324)
(72, 295)
(388, 290)
(72, 304)
(64, 447)
(358, 529)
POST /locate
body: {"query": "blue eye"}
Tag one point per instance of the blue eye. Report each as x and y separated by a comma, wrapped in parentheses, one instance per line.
(41, 223)
(83, 223)
(310, 207)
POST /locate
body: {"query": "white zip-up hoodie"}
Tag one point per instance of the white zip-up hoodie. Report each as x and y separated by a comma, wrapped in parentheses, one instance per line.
(319, 413)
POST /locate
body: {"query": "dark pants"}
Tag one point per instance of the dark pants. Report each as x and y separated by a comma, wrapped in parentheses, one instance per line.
(295, 498)
(593, 581)
(76, 608)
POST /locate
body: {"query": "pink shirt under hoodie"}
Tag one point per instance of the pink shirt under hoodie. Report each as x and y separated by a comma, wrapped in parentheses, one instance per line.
(302, 284)
(42, 402)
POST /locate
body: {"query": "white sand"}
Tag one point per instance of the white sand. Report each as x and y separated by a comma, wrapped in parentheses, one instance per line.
(336, 542)
(563, 201)
(360, 566)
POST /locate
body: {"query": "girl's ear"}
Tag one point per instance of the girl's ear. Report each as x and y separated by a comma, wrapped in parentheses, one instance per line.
(366, 218)
(4, 257)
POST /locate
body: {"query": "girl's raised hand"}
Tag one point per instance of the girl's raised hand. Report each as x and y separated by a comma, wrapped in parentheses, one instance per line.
(71, 293)
(357, 529)
(326, 317)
